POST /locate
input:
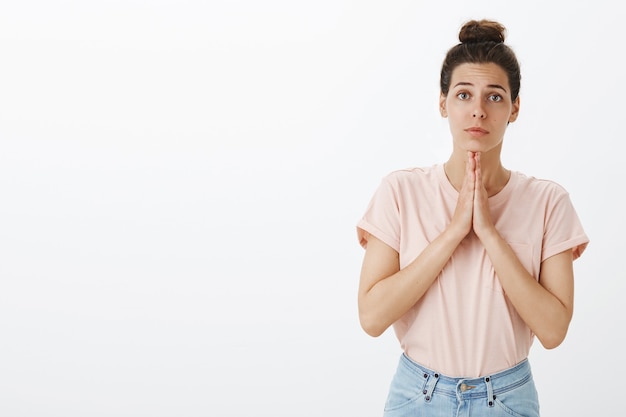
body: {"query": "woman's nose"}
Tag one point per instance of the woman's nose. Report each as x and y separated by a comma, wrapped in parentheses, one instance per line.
(479, 112)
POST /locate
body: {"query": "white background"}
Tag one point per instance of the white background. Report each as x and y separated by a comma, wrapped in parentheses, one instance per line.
(180, 183)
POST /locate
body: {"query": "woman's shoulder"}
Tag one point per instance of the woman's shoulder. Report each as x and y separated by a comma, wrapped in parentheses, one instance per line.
(539, 185)
(411, 175)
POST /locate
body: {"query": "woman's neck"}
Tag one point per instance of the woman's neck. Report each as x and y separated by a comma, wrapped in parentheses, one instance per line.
(494, 175)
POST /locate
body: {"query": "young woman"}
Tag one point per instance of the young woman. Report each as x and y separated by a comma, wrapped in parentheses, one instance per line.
(467, 260)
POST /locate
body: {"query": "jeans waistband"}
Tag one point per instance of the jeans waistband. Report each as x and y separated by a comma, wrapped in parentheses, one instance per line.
(486, 386)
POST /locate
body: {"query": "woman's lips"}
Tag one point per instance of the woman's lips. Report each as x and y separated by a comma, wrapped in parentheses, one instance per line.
(476, 131)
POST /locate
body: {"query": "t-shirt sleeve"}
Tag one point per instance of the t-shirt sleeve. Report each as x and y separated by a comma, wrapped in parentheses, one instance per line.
(563, 230)
(382, 217)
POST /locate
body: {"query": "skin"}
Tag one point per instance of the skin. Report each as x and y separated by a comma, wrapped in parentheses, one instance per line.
(479, 97)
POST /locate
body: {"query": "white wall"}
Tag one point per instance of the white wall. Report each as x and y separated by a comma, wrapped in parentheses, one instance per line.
(180, 183)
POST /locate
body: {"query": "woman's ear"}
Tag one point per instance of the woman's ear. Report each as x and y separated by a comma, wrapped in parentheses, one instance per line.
(442, 105)
(514, 111)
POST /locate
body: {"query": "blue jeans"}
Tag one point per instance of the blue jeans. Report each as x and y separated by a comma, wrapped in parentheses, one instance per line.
(418, 391)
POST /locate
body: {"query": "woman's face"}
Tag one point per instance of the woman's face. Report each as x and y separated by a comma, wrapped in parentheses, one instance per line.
(478, 106)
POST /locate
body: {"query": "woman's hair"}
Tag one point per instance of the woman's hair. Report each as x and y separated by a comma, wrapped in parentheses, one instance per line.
(482, 42)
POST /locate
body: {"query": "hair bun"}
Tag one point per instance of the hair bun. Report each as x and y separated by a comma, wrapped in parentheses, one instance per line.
(476, 31)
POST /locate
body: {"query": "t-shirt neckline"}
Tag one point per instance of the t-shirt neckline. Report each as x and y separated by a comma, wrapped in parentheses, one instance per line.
(494, 199)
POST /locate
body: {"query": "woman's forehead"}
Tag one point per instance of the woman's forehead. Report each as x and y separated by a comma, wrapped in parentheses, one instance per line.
(483, 74)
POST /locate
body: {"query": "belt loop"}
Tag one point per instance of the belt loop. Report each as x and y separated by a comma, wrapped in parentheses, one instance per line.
(490, 396)
(430, 387)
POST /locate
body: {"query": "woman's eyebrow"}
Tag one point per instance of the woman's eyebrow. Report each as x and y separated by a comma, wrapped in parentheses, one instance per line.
(490, 85)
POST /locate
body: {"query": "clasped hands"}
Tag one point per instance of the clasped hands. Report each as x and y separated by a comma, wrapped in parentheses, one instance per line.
(472, 209)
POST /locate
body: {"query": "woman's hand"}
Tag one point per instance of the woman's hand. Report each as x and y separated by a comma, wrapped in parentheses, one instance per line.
(462, 219)
(481, 219)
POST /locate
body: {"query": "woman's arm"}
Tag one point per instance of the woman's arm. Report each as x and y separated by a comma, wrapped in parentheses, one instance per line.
(386, 292)
(546, 305)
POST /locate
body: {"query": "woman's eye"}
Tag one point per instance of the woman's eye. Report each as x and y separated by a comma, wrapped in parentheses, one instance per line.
(463, 96)
(495, 97)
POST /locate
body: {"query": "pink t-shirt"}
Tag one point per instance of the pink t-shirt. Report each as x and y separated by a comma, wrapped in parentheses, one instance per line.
(464, 325)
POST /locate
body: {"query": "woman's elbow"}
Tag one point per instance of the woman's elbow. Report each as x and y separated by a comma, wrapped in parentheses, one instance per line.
(371, 325)
(553, 339)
